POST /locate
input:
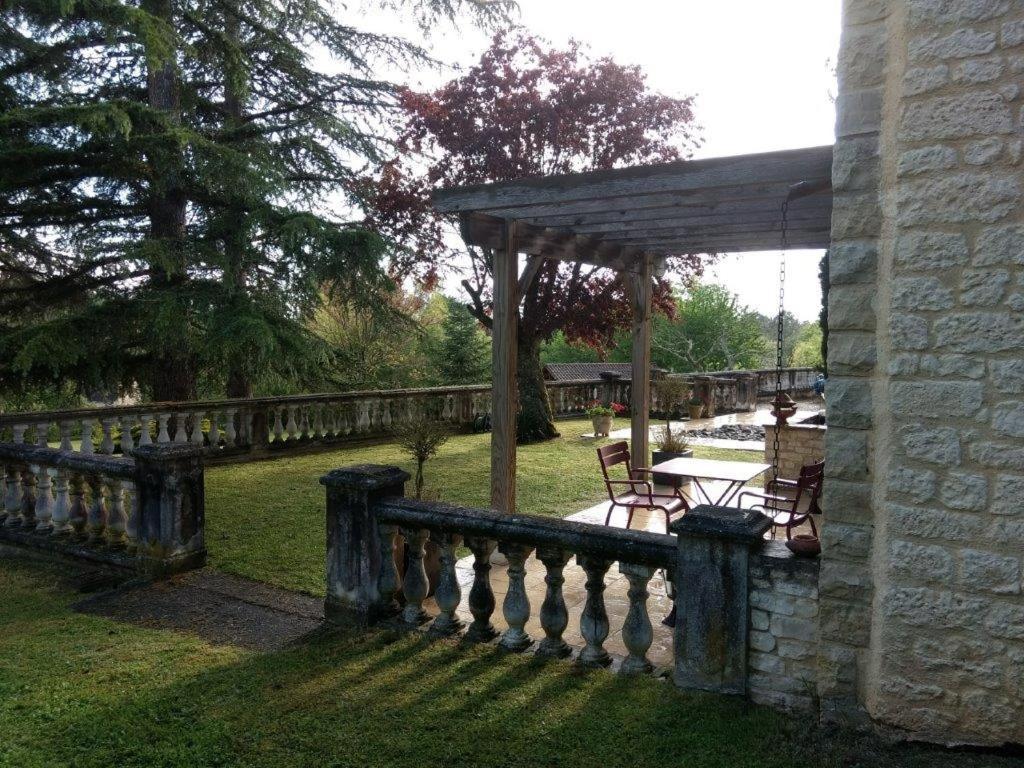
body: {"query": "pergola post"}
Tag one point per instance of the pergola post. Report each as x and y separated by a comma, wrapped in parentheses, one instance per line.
(640, 398)
(504, 385)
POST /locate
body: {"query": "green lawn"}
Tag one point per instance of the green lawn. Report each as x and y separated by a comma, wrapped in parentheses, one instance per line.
(83, 691)
(265, 520)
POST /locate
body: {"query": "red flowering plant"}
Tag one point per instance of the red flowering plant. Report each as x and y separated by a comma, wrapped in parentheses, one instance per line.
(597, 408)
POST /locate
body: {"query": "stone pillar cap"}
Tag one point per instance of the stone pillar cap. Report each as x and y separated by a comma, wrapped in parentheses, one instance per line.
(166, 451)
(365, 477)
(746, 526)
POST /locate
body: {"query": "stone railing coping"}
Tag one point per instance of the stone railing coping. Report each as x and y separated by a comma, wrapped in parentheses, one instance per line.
(109, 466)
(640, 547)
(746, 526)
(365, 477)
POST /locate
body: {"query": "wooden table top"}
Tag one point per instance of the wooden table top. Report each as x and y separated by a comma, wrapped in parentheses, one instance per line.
(713, 469)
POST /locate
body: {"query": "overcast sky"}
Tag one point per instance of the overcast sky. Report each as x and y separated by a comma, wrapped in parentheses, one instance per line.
(761, 71)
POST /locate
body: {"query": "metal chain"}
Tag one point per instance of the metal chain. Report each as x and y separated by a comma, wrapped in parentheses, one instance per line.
(780, 331)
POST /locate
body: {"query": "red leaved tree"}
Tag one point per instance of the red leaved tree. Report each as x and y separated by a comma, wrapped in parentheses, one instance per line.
(528, 110)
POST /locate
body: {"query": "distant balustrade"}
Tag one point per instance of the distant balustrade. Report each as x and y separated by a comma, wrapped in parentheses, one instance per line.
(243, 429)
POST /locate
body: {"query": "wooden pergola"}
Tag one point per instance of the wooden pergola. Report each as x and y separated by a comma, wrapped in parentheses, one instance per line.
(629, 220)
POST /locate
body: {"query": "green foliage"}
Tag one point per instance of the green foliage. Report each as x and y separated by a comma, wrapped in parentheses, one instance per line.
(710, 332)
(807, 352)
(421, 438)
(170, 175)
(823, 314)
(460, 352)
(560, 350)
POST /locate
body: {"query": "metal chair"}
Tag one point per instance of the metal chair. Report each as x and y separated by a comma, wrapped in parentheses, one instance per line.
(638, 493)
(784, 511)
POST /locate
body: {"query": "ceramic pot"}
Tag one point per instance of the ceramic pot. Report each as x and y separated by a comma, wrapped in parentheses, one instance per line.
(602, 425)
(695, 411)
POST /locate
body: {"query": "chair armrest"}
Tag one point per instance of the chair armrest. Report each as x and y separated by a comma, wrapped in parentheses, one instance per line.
(643, 470)
(783, 482)
(769, 498)
(648, 489)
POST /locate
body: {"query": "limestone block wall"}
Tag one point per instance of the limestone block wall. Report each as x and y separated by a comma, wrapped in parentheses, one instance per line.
(922, 618)
(782, 658)
(799, 445)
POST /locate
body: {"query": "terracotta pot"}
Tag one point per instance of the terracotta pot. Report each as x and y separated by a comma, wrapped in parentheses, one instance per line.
(602, 425)
(804, 545)
(695, 411)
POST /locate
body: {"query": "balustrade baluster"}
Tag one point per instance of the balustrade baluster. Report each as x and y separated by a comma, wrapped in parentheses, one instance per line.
(385, 418)
(304, 430)
(117, 521)
(18, 433)
(481, 596)
(345, 426)
(12, 499)
(214, 433)
(318, 421)
(86, 446)
(637, 632)
(448, 594)
(180, 428)
(387, 582)
(96, 525)
(293, 425)
(79, 507)
(415, 585)
(28, 497)
(62, 503)
(107, 442)
(145, 438)
(554, 616)
(163, 435)
(65, 435)
(196, 437)
(594, 621)
(127, 441)
(278, 426)
(516, 605)
(44, 499)
(43, 434)
(363, 422)
(230, 436)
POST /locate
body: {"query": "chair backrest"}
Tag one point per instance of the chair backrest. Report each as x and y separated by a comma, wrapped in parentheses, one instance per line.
(612, 455)
(810, 480)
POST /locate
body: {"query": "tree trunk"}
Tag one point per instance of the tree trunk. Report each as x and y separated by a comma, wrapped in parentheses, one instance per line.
(536, 421)
(236, 225)
(173, 375)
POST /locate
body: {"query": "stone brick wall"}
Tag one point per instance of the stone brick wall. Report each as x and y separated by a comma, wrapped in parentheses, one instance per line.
(922, 619)
(799, 445)
(782, 660)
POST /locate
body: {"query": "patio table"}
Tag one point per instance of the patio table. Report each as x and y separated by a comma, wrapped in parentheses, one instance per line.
(735, 474)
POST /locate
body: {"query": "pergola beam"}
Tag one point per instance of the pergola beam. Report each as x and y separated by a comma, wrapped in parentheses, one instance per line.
(697, 176)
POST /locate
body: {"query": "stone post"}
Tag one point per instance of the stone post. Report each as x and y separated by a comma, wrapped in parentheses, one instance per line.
(711, 585)
(169, 484)
(354, 553)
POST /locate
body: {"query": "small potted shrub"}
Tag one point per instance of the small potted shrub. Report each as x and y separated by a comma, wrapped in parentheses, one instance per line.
(695, 407)
(601, 416)
(671, 445)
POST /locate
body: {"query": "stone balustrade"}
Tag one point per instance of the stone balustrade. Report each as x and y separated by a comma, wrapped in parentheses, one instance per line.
(143, 512)
(723, 578)
(243, 429)
(237, 430)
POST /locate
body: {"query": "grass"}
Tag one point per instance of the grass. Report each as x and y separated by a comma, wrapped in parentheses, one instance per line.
(85, 691)
(265, 520)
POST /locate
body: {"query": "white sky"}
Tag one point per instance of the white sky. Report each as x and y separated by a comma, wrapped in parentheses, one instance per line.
(760, 69)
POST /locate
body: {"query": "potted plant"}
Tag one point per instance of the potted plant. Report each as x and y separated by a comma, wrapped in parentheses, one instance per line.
(695, 407)
(601, 416)
(671, 445)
